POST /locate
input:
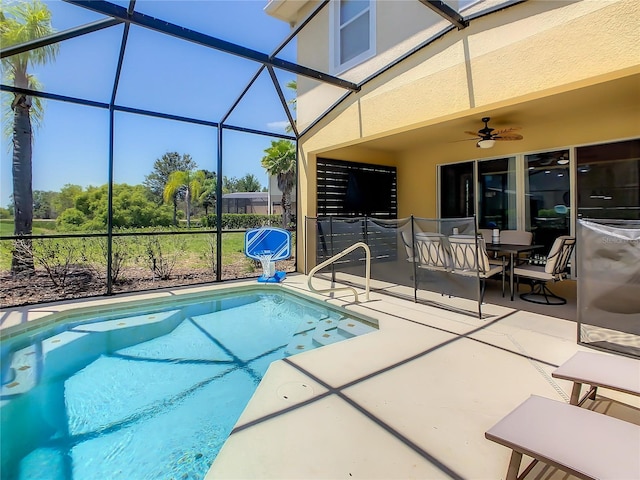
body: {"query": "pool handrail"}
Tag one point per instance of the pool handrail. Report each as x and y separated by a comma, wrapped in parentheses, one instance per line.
(336, 257)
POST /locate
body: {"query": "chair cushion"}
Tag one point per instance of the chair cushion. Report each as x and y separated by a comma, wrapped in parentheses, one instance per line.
(516, 237)
(555, 254)
(533, 271)
(405, 234)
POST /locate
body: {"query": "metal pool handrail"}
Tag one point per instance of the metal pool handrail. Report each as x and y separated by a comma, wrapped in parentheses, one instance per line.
(336, 257)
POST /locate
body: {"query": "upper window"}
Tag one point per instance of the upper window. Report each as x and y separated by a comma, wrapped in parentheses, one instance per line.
(352, 33)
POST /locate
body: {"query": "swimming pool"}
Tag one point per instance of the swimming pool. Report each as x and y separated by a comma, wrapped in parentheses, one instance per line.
(150, 391)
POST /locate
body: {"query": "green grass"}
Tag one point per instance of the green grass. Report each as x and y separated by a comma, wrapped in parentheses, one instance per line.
(40, 227)
(194, 250)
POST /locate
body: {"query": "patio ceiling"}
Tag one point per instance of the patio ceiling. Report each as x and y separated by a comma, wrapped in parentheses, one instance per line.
(539, 118)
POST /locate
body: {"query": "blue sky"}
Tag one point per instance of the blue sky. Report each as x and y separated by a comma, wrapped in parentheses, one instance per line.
(163, 74)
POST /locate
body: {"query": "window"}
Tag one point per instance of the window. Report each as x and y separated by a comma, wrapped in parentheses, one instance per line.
(352, 33)
(608, 180)
(548, 198)
(456, 190)
(497, 194)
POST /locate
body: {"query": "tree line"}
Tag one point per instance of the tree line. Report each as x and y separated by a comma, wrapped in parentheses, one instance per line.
(174, 190)
(175, 179)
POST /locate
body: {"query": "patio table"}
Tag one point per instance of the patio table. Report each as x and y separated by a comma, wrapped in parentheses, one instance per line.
(512, 250)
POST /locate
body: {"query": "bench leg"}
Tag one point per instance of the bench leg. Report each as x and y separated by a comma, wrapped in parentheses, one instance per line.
(575, 393)
(514, 465)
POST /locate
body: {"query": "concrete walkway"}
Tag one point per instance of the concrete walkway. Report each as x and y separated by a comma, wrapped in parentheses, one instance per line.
(412, 400)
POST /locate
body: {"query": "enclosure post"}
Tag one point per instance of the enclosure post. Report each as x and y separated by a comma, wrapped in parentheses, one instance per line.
(110, 205)
(478, 285)
(415, 266)
(333, 268)
(112, 102)
(219, 209)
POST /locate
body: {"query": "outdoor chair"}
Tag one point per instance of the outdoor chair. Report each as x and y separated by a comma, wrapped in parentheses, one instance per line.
(486, 234)
(469, 258)
(578, 441)
(516, 237)
(432, 251)
(405, 235)
(613, 372)
(554, 270)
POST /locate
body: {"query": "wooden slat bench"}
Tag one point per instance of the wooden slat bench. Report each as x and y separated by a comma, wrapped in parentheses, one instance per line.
(610, 371)
(581, 442)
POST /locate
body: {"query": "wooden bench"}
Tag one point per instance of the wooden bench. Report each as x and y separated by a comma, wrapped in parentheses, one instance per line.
(597, 370)
(581, 442)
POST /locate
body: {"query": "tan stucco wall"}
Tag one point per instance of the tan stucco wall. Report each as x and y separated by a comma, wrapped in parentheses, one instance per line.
(525, 50)
(511, 62)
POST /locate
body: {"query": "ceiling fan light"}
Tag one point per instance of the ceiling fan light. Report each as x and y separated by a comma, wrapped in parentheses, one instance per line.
(486, 143)
(563, 161)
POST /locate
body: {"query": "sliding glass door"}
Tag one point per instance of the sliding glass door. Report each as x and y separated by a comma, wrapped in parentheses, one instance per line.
(608, 180)
(497, 194)
(457, 197)
(534, 191)
(547, 196)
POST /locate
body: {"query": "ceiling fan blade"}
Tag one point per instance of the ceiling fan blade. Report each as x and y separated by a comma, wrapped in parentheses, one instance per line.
(513, 136)
(506, 130)
(475, 134)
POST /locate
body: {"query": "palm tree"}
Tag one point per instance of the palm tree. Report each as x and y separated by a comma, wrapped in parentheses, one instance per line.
(22, 22)
(293, 86)
(280, 160)
(207, 197)
(190, 182)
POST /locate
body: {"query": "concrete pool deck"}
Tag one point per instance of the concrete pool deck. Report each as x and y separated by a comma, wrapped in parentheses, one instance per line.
(412, 400)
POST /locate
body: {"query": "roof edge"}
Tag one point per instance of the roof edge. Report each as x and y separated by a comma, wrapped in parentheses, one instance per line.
(285, 10)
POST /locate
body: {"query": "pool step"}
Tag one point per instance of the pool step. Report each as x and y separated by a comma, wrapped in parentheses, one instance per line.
(301, 343)
(353, 328)
(313, 333)
(327, 337)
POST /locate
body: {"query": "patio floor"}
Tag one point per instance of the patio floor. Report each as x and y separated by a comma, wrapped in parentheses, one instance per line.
(412, 400)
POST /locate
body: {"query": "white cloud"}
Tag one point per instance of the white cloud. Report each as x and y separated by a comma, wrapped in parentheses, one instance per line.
(282, 124)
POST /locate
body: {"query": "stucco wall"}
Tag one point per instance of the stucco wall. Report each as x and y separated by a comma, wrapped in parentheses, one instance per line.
(527, 58)
(525, 50)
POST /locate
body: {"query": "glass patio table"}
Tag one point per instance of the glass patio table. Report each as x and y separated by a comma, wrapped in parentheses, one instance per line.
(513, 251)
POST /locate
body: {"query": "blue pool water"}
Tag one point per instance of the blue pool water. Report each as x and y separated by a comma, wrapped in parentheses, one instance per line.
(150, 393)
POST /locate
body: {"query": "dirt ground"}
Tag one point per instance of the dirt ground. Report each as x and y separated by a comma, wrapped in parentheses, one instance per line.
(81, 282)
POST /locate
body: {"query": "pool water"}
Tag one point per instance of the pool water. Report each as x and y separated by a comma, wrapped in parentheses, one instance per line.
(148, 394)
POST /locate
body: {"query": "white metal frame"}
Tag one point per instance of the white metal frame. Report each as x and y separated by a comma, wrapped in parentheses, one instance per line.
(334, 37)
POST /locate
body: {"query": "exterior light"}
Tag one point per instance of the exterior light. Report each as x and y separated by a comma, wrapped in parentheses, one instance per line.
(486, 143)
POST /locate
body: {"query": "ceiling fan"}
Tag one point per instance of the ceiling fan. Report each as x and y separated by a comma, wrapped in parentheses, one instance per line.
(488, 136)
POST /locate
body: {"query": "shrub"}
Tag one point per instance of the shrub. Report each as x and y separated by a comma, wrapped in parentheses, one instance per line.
(56, 256)
(162, 254)
(70, 220)
(242, 221)
(209, 254)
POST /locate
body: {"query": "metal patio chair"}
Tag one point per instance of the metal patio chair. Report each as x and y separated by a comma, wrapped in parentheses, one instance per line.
(469, 258)
(554, 270)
